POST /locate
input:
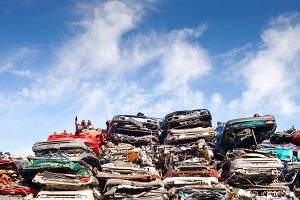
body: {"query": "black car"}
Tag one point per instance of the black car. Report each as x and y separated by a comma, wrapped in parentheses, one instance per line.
(188, 119)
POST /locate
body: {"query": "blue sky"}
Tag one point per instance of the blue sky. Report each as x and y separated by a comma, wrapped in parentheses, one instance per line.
(96, 59)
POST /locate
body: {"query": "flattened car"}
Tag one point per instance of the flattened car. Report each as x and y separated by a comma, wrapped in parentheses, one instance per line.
(247, 132)
(188, 119)
(254, 171)
(74, 150)
(135, 129)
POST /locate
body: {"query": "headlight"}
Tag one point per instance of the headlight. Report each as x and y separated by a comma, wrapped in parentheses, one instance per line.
(291, 194)
(116, 119)
(247, 194)
(298, 154)
(241, 192)
(274, 172)
(244, 193)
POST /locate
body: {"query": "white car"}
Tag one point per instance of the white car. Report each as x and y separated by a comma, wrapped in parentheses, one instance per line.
(87, 194)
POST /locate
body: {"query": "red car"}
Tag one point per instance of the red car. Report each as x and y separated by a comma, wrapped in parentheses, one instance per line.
(10, 180)
(89, 139)
(86, 132)
(18, 191)
(296, 139)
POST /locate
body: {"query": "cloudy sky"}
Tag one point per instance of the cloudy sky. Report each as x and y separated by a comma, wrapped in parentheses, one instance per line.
(96, 59)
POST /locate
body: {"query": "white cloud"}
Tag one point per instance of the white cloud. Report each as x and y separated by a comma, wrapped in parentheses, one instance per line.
(100, 67)
(271, 73)
(92, 53)
(182, 63)
(13, 62)
(25, 73)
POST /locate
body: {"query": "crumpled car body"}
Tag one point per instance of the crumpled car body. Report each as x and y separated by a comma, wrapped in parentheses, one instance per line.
(129, 173)
(11, 183)
(134, 192)
(184, 136)
(61, 181)
(188, 119)
(139, 140)
(194, 167)
(285, 152)
(197, 193)
(296, 139)
(90, 140)
(129, 157)
(74, 150)
(135, 129)
(86, 194)
(283, 137)
(245, 172)
(198, 149)
(274, 191)
(291, 135)
(293, 175)
(122, 189)
(166, 157)
(195, 188)
(121, 170)
(31, 168)
(135, 123)
(247, 132)
(17, 190)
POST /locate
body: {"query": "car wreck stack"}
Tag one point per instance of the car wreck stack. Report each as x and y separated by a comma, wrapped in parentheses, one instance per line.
(288, 141)
(135, 129)
(127, 170)
(187, 156)
(11, 181)
(255, 174)
(253, 170)
(177, 157)
(63, 169)
(187, 126)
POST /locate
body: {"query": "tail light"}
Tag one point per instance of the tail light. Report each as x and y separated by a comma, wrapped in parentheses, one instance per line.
(85, 180)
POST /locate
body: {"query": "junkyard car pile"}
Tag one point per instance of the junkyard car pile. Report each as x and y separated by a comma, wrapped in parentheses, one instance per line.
(249, 165)
(177, 157)
(127, 170)
(186, 157)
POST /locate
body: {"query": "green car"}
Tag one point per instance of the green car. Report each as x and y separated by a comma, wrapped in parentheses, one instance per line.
(287, 152)
(282, 154)
(31, 168)
(247, 132)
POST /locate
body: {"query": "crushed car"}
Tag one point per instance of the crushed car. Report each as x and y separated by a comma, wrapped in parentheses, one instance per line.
(195, 188)
(187, 119)
(73, 149)
(247, 132)
(86, 194)
(11, 181)
(90, 140)
(135, 129)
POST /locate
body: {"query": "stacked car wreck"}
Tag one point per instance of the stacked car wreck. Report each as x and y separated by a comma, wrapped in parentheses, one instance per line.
(11, 181)
(181, 156)
(127, 169)
(254, 172)
(187, 156)
(63, 169)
